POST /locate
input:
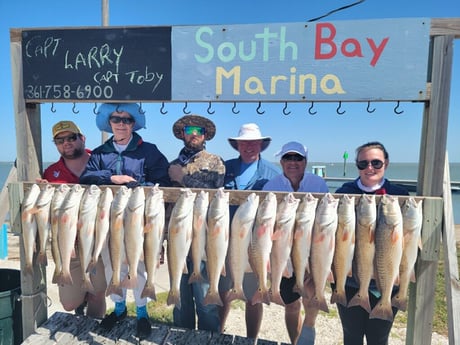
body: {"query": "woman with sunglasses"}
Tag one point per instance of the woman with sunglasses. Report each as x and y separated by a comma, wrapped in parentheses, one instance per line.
(295, 179)
(371, 160)
(125, 159)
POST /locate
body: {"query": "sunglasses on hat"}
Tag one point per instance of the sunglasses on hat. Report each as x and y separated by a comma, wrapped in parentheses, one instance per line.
(376, 164)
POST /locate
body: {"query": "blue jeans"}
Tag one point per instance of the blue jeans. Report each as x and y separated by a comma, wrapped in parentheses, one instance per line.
(191, 296)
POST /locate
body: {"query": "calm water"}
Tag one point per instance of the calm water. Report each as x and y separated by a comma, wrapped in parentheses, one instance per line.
(400, 171)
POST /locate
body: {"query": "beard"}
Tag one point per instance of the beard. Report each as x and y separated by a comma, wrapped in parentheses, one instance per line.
(196, 146)
(76, 153)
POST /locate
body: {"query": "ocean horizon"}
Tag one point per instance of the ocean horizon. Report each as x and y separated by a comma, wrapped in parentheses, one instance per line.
(395, 171)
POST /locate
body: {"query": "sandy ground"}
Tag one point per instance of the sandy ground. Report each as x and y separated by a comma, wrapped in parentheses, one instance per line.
(328, 327)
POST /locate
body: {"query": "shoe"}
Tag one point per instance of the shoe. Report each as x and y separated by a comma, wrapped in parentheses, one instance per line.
(80, 310)
(143, 328)
(112, 319)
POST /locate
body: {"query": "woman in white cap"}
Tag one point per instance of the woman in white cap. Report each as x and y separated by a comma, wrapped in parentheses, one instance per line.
(125, 159)
(293, 159)
(247, 172)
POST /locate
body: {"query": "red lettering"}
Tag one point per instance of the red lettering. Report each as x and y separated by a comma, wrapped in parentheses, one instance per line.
(377, 49)
(328, 41)
(355, 48)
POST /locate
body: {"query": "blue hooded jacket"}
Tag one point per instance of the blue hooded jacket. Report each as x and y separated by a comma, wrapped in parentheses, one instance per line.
(141, 160)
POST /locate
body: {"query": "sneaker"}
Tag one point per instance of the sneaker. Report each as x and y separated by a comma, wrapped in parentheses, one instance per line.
(112, 319)
(143, 327)
(80, 310)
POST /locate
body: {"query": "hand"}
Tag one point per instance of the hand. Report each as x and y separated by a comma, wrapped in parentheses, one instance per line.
(41, 180)
(176, 173)
(121, 179)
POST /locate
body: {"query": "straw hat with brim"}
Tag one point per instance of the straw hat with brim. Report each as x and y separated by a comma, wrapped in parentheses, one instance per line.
(194, 120)
(107, 109)
(250, 131)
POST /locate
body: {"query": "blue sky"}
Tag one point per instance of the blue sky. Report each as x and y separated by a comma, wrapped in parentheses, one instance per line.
(326, 134)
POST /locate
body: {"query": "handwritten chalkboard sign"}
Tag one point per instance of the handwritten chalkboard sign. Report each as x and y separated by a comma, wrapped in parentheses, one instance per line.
(97, 64)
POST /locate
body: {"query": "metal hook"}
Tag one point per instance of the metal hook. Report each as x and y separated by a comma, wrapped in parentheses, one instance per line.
(94, 109)
(184, 109)
(368, 107)
(338, 109)
(285, 108)
(52, 108)
(397, 111)
(234, 111)
(141, 111)
(209, 109)
(162, 109)
(310, 110)
(260, 112)
(74, 109)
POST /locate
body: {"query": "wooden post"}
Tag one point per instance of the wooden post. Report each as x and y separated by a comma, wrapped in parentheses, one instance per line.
(28, 163)
(430, 177)
(450, 262)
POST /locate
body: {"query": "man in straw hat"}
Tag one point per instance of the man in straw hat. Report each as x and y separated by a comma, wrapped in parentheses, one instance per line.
(196, 168)
(247, 172)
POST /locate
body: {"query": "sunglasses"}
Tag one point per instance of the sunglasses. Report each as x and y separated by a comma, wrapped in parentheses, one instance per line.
(196, 130)
(118, 119)
(69, 139)
(376, 164)
(295, 158)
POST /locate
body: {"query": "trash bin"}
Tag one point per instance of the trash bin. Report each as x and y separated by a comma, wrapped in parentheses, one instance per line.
(10, 307)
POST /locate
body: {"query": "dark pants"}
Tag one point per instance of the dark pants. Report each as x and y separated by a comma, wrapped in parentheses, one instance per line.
(356, 323)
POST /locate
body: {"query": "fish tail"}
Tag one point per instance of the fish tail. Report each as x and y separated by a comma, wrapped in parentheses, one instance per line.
(87, 286)
(399, 301)
(113, 289)
(65, 278)
(56, 274)
(130, 281)
(91, 266)
(319, 302)
(196, 277)
(42, 258)
(360, 300)
(212, 297)
(275, 297)
(339, 297)
(173, 298)
(382, 311)
(234, 294)
(261, 296)
(300, 290)
(149, 291)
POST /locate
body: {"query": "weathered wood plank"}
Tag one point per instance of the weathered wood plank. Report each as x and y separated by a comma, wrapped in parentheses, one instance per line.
(445, 26)
(69, 329)
(451, 274)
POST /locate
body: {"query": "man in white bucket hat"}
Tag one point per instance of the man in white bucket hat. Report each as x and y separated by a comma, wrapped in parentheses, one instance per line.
(247, 172)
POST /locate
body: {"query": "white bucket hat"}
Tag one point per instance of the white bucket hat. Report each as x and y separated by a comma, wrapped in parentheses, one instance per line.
(293, 147)
(250, 131)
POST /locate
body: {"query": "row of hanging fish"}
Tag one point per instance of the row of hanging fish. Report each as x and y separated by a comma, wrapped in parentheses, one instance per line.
(319, 240)
(128, 224)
